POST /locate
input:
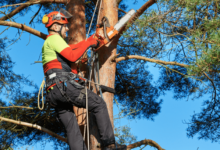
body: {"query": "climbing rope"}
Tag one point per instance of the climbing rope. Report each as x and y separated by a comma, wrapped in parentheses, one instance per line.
(87, 111)
(92, 19)
(87, 115)
(41, 90)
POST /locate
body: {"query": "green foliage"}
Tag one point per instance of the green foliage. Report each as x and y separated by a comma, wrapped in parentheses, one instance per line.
(123, 135)
(183, 31)
(12, 85)
(186, 32)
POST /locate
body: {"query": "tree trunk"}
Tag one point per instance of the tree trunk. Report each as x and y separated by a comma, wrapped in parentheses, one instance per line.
(109, 9)
(76, 34)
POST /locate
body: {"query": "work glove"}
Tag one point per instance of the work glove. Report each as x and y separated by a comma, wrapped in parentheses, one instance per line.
(83, 60)
(94, 43)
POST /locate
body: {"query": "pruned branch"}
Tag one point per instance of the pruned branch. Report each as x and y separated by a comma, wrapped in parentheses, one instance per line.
(24, 27)
(139, 12)
(114, 59)
(145, 142)
(35, 127)
(29, 3)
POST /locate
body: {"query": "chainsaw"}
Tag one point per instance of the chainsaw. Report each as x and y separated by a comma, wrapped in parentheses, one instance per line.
(105, 33)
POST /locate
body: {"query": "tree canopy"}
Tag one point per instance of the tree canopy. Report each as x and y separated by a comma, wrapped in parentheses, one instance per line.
(180, 38)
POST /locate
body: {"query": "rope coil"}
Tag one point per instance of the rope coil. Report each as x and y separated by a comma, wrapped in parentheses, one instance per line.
(41, 90)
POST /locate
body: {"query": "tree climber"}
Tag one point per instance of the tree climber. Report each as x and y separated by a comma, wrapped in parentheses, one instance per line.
(63, 92)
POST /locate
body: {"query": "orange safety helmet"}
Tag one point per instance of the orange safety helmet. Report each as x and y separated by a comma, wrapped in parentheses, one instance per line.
(56, 17)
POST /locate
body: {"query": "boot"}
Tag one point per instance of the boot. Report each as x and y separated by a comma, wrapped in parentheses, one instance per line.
(115, 147)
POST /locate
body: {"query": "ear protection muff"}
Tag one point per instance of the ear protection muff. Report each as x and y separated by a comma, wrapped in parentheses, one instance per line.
(45, 19)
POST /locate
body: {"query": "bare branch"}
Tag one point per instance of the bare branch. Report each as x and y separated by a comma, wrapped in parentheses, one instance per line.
(35, 127)
(122, 10)
(24, 27)
(212, 84)
(35, 14)
(112, 59)
(16, 107)
(145, 142)
(29, 3)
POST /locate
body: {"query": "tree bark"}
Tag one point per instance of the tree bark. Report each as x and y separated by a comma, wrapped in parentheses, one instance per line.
(109, 8)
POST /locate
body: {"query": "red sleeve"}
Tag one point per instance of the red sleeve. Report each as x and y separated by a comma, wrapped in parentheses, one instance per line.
(74, 46)
(75, 51)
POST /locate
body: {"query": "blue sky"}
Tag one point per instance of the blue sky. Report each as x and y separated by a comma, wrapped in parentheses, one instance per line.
(168, 129)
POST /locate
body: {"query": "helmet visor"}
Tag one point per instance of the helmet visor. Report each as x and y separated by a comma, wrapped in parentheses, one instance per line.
(65, 13)
(62, 14)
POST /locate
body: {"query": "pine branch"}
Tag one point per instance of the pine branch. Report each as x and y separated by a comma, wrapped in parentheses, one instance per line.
(145, 142)
(139, 12)
(29, 3)
(35, 127)
(113, 59)
(23, 27)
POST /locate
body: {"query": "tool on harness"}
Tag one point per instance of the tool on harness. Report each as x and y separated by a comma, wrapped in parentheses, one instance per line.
(63, 77)
(105, 33)
(96, 70)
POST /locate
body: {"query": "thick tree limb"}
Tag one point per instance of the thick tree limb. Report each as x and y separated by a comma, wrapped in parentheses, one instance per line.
(145, 142)
(29, 3)
(35, 127)
(23, 27)
(136, 15)
(112, 59)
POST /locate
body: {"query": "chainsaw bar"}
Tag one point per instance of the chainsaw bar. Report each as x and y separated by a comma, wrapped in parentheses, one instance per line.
(105, 32)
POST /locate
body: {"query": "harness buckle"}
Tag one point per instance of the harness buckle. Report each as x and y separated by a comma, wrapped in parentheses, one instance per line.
(72, 76)
(52, 75)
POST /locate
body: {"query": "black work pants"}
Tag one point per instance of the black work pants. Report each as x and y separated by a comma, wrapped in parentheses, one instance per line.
(65, 113)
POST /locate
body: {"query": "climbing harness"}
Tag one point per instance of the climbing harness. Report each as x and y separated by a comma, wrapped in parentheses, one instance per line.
(59, 78)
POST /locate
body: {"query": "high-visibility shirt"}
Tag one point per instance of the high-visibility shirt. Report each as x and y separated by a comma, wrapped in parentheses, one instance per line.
(56, 53)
